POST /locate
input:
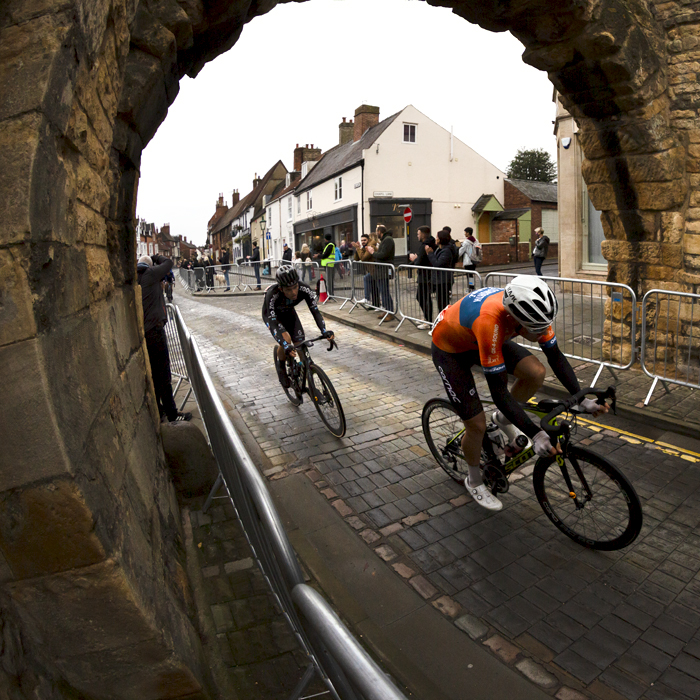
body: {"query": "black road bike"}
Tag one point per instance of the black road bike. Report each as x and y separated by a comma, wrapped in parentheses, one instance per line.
(587, 497)
(306, 377)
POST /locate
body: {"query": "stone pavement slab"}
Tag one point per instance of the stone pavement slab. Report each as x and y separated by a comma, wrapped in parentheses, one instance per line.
(591, 620)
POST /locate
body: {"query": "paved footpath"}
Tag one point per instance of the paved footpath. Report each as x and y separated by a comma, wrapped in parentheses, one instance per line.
(577, 623)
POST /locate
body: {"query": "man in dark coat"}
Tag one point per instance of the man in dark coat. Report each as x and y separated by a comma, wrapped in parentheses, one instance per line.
(385, 254)
(255, 260)
(225, 267)
(151, 272)
(421, 259)
(442, 258)
(287, 255)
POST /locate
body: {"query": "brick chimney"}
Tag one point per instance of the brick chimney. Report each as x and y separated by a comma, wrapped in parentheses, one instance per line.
(304, 153)
(235, 197)
(366, 117)
(256, 181)
(346, 130)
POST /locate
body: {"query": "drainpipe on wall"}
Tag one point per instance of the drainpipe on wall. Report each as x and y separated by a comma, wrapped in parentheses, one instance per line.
(362, 195)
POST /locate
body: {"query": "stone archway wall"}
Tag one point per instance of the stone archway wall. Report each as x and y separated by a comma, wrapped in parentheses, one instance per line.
(92, 569)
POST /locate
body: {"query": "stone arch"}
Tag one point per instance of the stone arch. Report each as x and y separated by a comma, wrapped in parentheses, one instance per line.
(88, 514)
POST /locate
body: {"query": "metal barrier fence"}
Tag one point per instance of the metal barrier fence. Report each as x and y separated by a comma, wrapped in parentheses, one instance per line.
(334, 654)
(670, 339)
(423, 292)
(373, 287)
(178, 366)
(338, 281)
(597, 321)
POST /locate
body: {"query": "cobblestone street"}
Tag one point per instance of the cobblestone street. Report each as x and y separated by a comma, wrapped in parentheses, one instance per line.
(577, 623)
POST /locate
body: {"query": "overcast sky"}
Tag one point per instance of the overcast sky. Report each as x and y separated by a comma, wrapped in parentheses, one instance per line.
(296, 71)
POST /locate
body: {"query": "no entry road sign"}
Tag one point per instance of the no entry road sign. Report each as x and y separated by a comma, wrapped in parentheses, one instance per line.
(407, 214)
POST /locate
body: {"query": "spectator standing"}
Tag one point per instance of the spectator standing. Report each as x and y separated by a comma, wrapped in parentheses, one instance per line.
(468, 254)
(442, 258)
(384, 254)
(369, 280)
(209, 271)
(328, 262)
(424, 277)
(307, 266)
(539, 252)
(225, 267)
(199, 272)
(254, 260)
(287, 254)
(150, 273)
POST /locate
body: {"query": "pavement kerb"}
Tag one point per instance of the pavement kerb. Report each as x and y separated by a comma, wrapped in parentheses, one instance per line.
(632, 413)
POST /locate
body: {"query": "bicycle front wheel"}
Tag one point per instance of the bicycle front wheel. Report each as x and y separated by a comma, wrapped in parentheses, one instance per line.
(326, 401)
(600, 511)
(443, 429)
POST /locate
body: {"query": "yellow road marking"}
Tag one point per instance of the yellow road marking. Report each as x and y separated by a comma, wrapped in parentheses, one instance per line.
(635, 439)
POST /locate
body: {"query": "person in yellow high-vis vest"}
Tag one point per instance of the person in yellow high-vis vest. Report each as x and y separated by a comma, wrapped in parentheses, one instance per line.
(328, 263)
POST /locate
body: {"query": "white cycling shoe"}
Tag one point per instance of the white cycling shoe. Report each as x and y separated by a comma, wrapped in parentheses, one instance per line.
(483, 496)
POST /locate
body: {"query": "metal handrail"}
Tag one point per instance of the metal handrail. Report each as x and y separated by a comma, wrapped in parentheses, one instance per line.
(321, 635)
(675, 334)
(568, 322)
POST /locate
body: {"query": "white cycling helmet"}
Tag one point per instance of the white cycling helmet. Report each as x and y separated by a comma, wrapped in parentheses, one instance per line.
(531, 302)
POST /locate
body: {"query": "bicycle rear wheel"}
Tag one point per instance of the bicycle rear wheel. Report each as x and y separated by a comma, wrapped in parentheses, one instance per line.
(326, 401)
(443, 429)
(605, 512)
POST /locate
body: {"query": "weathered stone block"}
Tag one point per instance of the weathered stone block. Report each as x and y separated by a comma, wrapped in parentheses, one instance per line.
(36, 66)
(624, 251)
(46, 529)
(19, 140)
(672, 226)
(16, 312)
(32, 444)
(691, 241)
(672, 255)
(84, 610)
(189, 458)
(652, 167)
(99, 272)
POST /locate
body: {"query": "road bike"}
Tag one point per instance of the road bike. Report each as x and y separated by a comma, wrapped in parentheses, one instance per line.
(306, 377)
(587, 497)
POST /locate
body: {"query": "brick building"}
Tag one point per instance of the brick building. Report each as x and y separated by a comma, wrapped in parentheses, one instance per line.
(541, 198)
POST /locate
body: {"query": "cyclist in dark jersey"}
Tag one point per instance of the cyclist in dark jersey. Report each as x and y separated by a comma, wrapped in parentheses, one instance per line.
(281, 318)
(477, 330)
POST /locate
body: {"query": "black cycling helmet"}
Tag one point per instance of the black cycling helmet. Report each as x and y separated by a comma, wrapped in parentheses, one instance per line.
(287, 276)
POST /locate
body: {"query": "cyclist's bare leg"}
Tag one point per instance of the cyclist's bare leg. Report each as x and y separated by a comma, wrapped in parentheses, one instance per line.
(529, 376)
(474, 431)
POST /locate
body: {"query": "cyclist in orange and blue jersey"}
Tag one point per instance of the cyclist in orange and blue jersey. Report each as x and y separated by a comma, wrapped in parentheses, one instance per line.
(478, 330)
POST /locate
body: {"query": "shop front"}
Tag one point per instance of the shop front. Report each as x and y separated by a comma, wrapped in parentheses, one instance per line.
(341, 224)
(389, 212)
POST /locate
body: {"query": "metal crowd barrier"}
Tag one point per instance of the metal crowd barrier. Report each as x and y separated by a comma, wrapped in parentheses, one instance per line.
(670, 339)
(597, 321)
(187, 279)
(338, 281)
(334, 655)
(373, 287)
(423, 292)
(178, 366)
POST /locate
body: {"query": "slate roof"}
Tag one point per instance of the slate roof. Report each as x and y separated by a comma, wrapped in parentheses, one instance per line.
(536, 191)
(481, 202)
(508, 214)
(342, 158)
(237, 209)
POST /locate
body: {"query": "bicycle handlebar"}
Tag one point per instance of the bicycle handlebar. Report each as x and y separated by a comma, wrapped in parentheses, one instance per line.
(332, 342)
(565, 404)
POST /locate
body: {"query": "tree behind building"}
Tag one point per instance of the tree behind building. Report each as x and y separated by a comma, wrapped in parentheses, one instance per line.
(532, 164)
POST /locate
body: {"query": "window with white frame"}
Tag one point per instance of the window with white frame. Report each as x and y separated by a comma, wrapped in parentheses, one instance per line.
(269, 217)
(409, 133)
(298, 205)
(289, 208)
(309, 201)
(338, 188)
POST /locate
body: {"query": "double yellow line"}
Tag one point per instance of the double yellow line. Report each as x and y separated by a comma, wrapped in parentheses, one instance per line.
(634, 439)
